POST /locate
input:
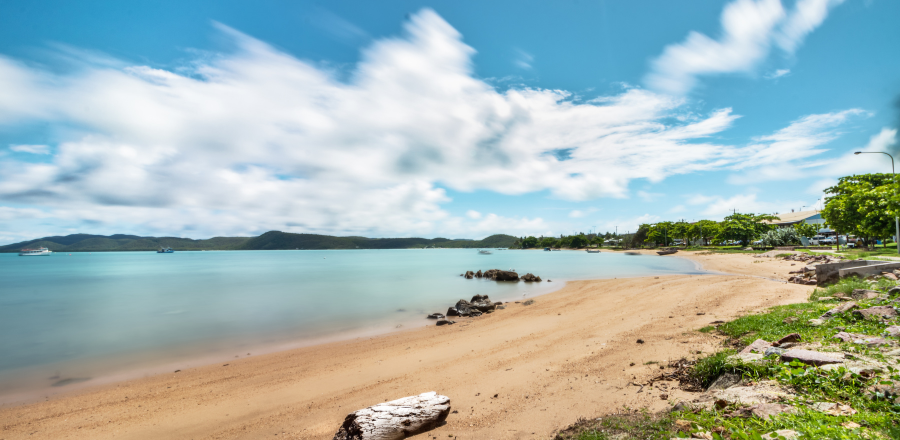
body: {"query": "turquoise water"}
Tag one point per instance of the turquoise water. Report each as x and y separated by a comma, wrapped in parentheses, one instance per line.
(67, 318)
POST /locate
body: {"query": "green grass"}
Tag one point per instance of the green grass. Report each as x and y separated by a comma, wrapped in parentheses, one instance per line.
(877, 417)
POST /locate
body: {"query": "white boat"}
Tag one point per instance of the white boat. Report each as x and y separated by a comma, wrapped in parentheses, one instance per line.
(165, 250)
(484, 252)
(38, 251)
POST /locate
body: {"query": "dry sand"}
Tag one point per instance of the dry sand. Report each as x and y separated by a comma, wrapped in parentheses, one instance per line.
(522, 372)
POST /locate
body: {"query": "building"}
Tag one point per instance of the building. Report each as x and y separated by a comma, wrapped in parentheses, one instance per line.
(792, 218)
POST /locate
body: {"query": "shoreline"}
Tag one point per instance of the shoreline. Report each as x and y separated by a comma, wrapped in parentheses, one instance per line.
(338, 377)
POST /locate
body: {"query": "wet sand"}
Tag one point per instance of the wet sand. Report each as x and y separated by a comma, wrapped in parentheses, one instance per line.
(569, 355)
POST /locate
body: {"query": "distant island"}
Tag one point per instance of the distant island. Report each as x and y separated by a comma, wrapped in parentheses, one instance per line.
(272, 240)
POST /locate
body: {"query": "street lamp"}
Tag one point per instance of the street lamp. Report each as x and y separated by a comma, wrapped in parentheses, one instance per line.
(896, 219)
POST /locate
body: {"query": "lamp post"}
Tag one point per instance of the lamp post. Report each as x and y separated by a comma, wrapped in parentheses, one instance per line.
(896, 219)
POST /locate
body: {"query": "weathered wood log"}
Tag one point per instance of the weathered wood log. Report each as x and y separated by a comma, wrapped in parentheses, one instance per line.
(396, 419)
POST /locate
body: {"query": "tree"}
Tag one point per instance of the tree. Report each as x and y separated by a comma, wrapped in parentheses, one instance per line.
(864, 205)
(807, 230)
(660, 233)
(707, 230)
(745, 227)
(578, 241)
(639, 237)
(548, 242)
(529, 242)
(598, 240)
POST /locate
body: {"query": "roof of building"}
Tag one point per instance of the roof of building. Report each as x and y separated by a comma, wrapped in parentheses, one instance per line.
(793, 217)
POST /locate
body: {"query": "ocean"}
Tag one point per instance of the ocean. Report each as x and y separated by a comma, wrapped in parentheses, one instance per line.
(82, 318)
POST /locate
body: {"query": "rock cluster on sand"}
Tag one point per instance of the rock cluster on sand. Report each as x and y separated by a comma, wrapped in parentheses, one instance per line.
(501, 275)
(807, 274)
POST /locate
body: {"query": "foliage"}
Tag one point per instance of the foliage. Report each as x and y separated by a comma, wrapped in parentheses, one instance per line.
(744, 227)
(548, 242)
(660, 233)
(578, 241)
(529, 242)
(863, 205)
(807, 230)
(780, 237)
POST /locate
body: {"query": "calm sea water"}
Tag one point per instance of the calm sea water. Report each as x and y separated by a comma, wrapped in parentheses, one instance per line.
(70, 318)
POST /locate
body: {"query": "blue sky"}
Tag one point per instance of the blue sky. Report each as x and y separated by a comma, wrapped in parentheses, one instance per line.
(455, 119)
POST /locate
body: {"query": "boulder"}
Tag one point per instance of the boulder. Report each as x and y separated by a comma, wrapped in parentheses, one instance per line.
(452, 312)
(469, 275)
(445, 322)
(859, 294)
(528, 303)
(793, 337)
(482, 303)
(506, 275)
(436, 316)
(890, 276)
(810, 357)
(397, 419)
(878, 312)
(849, 305)
(479, 274)
(894, 291)
(463, 308)
(529, 277)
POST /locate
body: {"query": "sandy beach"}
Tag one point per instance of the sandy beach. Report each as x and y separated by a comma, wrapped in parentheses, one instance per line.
(522, 372)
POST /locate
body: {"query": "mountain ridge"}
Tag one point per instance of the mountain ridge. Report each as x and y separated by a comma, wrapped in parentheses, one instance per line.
(272, 240)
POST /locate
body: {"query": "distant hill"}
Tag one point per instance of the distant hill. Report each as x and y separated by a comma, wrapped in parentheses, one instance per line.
(272, 240)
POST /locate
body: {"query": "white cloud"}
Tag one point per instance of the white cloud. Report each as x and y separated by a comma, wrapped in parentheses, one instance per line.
(749, 30)
(475, 215)
(33, 149)
(648, 196)
(718, 207)
(256, 139)
(778, 73)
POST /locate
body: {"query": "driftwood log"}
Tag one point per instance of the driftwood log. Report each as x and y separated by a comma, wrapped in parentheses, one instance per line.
(396, 419)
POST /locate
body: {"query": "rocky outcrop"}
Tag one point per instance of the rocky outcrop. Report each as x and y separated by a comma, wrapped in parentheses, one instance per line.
(482, 303)
(499, 275)
(479, 274)
(850, 305)
(436, 316)
(530, 277)
(397, 419)
(859, 294)
(878, 312)
(469, 275)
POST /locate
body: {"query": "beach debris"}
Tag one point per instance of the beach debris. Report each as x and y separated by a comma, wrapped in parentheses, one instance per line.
(396, 419)
(876, 313)
(849, 305)
(640, 341)
(436, 316)
(809, 357)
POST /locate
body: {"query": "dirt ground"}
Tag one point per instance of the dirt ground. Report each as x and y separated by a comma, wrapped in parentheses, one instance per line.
(519, 373)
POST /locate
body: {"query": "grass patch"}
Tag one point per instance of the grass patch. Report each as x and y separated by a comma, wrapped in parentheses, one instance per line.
(706, 329)
(637, 425)
(783, 255)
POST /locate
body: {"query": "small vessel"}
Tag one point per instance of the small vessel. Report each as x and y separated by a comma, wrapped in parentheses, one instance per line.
(34, 252)
(593, 251)
(667, 252)
(165, 250)
(484, 252)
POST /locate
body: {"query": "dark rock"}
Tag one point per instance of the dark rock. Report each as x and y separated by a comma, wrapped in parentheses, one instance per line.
(470, 274)
(474, 313)
(528, 303)
(445, 322)
(876, 313)
(894, 291)
(793, 337)
(640, 341)
(482, 303)
(774, 350)
(506, 275)
(436, 316)
(452, 312)
(463, 307)
(479, 274)
(530, 277)
(725, 381)
(810, 357)
(501, 307)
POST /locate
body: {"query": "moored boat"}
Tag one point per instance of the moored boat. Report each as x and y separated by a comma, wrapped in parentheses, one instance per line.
(484, 252)
(593, 251)
(667, 251)
(165, 251)
(35, 252)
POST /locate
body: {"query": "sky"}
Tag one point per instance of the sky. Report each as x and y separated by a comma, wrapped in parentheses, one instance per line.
(434, 119)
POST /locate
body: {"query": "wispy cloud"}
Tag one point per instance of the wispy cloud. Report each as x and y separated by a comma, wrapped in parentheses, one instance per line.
(523, 60)
(581, 213)
(750, 28)
(778, 73)
(32, 149)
